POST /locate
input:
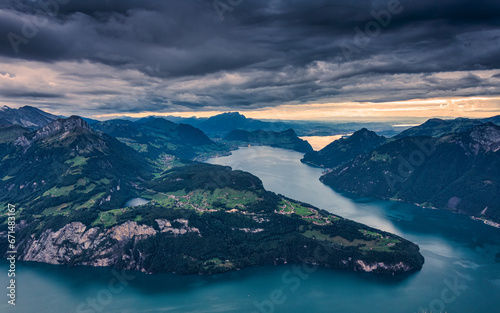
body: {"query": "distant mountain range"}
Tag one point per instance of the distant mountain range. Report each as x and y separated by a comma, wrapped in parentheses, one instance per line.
(26, 116)
(286, 139)
(221, 125)
(216, 126)
(227, 122)
(71, 184)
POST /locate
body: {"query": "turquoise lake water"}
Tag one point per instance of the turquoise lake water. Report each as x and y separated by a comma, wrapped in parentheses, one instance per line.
(461, 271)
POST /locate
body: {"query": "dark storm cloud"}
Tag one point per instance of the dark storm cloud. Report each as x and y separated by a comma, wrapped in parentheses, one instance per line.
(285, 50)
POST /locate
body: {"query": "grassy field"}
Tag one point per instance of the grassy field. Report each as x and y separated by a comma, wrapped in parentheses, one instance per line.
(308, 214)
(134, 144)
(77, 161)
(380, 243)
(56, 210)
(374, 241)
(91, 201)
(57, 192)
(203, 200)
(380, 157)
(108, 218)
(293, 207)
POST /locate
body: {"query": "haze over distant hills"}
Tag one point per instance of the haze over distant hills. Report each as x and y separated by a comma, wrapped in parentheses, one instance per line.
(286, 139)
(216, 126)
(220, 125)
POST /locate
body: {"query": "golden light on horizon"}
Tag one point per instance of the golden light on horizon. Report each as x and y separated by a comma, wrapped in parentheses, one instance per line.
(473, 107)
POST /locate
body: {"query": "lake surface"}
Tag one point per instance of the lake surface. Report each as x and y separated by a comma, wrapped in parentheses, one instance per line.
(459, 274)
(319, 142)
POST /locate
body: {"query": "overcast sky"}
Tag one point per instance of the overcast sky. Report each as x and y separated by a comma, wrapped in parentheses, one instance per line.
(290, 59)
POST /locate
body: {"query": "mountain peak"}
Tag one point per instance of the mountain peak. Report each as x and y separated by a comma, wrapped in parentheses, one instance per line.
(232, 114)
(363, 130)
(26, 116)
(434, 120)
(61, 125)
(364, 133)
(29, 107)
(71, 123)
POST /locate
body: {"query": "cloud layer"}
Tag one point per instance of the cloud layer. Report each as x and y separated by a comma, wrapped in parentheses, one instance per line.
(169, 56)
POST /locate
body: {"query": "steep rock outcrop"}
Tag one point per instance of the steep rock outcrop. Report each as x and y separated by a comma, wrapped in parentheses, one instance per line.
(76, 244)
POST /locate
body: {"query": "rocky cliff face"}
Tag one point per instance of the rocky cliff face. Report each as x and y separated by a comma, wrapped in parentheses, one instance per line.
(60, 126)
(381, 266)
(77, 244)
(485, 137)
(166, 227)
